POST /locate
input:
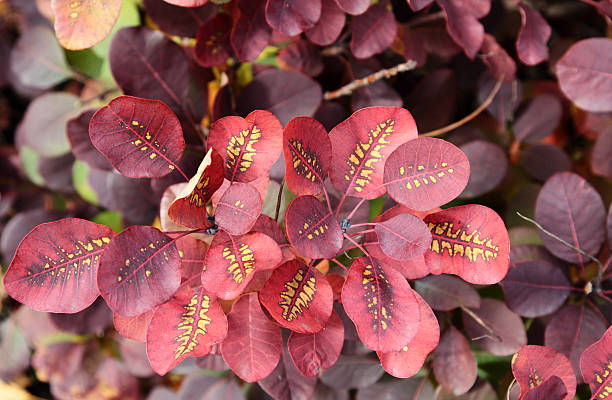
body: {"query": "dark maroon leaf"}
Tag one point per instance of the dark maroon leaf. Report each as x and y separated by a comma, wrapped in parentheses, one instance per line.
(373, 31)
(299, 95)
(94, 319)
(179, 21)
(403, 236)
(250, 32)
(501, 65)
(330, 24)
(139, 270)
(410, 44)
(539, 119)
(146, 64)
(238, 209)
(134, 357)
(552, 389)
(376, 94)
(572, 329)
(573, 210)
(445, 292)
(353, 372)
(213, 45)
(488, 166)
(292, 17)
(437, 90)
(77, 130)
(505, 323)
(532, 37)
(15, 351)
(601, 162)
(55, 265)
(535, 288)
(541, 161)
(585, 74)
(505, 101)
(301, 56)
(463, 26)
(252, 347)
(413, 389)
(286, 382)
(454, 365)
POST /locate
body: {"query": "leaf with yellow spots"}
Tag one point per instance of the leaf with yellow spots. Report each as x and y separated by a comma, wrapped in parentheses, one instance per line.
(381, 304)
(533, 365)
(238, 209)
(596, 366)
(308, 154)
(312, 228)
(55, 266)
(213, 46)
(552, 389)
(185, 326)
(408, 360)
(79, 24)
(248, 145)
(189, 207)
(470, 241)
(298, 297)
(140, 269)
(141, 138)
(231, 264)
(192, 252)
(361, 145)
(426, 173)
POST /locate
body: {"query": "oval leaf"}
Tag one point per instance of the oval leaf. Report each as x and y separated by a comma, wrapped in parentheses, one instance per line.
(445, 292)
(238, 209)
(410, 358)
(571, 208)
(83, 23)
(585, 74)
(229, 266)
(312, 351)
(488, 166)
(362, 143)
(312, 228)
(308, 153)
(470, 241)
(353, 7)
(532, 37)
(134, 328)
(55, 266)
(298, 297)
(253, 344)
(454, 365)
(141, 138)
(403, 236)
(213, 44)
(426, 173)
(329, 26)
(250, 33)
(373, 31)
(286, 381)
(185, 326)
(139, 270)
(292, 17)
(595, 365)
(248, 145)
(381, 304)
(552, 389)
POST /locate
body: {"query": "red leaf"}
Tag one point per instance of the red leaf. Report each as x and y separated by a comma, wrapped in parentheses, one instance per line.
(192, 252)
(187, 3)
(230, 265)
(445, 292)
(381, 304)
(500, 64)
(253, 344)
(532, 37)
(463, 26)
(312, 228)
(595, 364)
(505, 323)
(298, 297)
(139, 270)
(552, 389)
(248, 145)
(409, 359)
(329, 26)
(454, 365)
(308, 154)
(362, 143)
(312, 351)
(292, 17)
(213, 45)
(134, 328)
(189, 207)
(286, 382)
(403, 236)
(55, 266)
(539, 119)
(250, 32)
(535, 288)
(238, 209)
(585, 74)
(270, 227)
(426, 173)
(185, 326)
(80, 25)
(572, 329)
(533, 365)
(373, 31)
(571, 208)
(488, 167)
(141, 138)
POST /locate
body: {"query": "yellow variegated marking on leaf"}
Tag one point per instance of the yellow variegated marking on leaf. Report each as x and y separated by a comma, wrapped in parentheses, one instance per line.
(460, 243)
(602, 376)
(431, 176)
(304, 161)
(196, 190)
(361, 161)
(534, 378)
(188, 338)
(247, 258)
(315, 230)
(369, 285)
(295, 298)
(240, 150)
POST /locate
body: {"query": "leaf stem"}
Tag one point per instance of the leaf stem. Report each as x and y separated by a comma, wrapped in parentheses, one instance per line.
(350, 239)
(339, 263)
(480, 322)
